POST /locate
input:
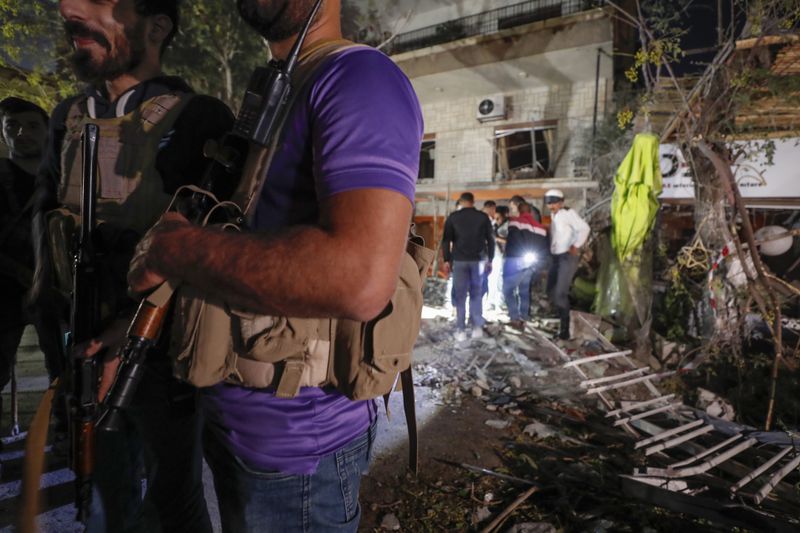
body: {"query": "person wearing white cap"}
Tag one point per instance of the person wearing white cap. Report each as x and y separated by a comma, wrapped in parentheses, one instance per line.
(568, 234)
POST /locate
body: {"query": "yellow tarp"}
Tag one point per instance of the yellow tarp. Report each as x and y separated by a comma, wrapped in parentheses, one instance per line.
(635, 203)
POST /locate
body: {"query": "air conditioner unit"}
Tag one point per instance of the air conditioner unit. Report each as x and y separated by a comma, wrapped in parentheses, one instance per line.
(492, 108)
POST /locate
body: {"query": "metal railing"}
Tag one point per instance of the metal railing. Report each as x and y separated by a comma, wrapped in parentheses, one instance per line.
(487, 23)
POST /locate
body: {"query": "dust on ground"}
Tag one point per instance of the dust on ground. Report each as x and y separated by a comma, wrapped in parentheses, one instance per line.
(505, 404)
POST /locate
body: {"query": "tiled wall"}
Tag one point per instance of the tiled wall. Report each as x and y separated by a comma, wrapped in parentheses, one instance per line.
(465, 146)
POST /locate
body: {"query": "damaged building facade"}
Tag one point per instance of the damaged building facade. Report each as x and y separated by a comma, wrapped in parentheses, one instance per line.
(509, 96)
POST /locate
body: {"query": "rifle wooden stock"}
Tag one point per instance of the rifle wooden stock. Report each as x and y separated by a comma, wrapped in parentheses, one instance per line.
(86, 445)
(148, 321)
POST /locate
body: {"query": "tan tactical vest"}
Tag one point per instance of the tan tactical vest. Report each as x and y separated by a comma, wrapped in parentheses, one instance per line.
(130, 191)
(212, 342)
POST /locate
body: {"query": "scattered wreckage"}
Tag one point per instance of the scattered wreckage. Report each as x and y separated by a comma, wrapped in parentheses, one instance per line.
(689, 461)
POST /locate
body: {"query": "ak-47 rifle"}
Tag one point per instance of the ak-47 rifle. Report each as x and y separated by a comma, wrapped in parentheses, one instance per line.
(258, 122)
(84, 326)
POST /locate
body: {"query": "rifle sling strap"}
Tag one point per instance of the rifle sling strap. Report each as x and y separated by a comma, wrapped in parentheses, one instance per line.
(409, 408)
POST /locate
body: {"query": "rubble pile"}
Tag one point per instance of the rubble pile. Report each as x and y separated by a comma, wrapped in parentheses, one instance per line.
(548, 429)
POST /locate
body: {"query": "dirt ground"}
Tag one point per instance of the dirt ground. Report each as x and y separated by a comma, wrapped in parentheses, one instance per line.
(553, 438)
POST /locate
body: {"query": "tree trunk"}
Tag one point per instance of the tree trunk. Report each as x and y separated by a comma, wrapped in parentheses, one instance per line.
(226, 68)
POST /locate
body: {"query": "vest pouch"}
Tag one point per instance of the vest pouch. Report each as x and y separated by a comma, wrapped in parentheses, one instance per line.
(370, 355)
(200, 343)
(61, 228)
(267, 345)
(269, 339)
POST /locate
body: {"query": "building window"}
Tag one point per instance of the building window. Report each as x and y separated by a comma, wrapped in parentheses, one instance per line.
(427, 160)
(525, 152)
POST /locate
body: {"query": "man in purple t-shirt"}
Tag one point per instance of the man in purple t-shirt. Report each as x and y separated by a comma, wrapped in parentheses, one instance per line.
(330, 230)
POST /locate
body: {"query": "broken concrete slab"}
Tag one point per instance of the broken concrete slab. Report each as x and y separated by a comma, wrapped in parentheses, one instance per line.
(497, 424)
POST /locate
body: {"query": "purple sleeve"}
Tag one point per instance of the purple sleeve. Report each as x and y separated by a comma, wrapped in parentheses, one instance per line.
(367, 126)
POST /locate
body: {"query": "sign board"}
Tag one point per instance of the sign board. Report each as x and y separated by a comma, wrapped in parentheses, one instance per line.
(755, 176)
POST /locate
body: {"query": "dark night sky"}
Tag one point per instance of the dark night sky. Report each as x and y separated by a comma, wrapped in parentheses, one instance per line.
(700, 19)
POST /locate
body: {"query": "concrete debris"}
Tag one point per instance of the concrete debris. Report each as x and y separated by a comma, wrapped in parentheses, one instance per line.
(390, 523)
(435, 292)
(497, 424)
(493, 330)
(532, 527)
(425, 354)
(530, 368)
(714, 405)
(483, 384)
(675, 485)
(510, 369)
(540, 430)
(596, 370)
(501, 400)
(481, 514)
(601, 526)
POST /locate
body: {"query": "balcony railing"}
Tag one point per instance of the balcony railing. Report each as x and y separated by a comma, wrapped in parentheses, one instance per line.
(487, 23)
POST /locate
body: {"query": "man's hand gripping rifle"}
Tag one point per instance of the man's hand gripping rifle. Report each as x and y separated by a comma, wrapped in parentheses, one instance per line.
(259, 120)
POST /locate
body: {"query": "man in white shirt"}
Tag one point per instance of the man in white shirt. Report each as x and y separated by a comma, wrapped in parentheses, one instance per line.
(568, 234)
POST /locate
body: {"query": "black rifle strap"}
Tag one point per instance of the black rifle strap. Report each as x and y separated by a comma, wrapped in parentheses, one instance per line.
(257, 166)
(409, 408)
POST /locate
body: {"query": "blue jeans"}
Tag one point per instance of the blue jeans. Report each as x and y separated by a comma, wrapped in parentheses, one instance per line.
(468, 279)
(517, 287)
(256, 501)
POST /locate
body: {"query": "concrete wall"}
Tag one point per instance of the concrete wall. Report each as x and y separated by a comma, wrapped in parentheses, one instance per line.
(465, 146)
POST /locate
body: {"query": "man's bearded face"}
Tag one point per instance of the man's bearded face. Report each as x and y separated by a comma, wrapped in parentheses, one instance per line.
(276, 20)
(105, 47)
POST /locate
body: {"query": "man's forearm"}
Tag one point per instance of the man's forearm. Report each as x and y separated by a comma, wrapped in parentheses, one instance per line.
(340, 268)
(300, 273)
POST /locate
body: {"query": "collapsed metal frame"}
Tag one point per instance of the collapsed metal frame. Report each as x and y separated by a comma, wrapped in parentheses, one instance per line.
(643, 420)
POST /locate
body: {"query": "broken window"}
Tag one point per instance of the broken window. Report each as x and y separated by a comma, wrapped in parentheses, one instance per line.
(427, 157)
(525, 152)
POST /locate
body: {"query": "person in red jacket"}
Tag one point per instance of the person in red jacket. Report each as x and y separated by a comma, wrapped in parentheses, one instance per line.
(526, 254)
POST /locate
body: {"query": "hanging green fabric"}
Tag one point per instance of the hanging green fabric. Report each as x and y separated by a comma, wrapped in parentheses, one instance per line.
(635, 203)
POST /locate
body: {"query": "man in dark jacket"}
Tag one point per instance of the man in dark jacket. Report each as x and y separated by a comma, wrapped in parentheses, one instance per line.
(526, 253)
(24, 131)
(468, 248)
(152, 132)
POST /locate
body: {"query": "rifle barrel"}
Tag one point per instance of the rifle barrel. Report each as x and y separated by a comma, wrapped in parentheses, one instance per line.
(84, 325)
